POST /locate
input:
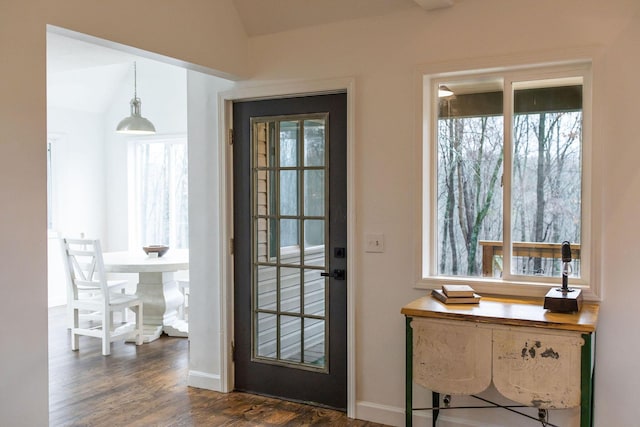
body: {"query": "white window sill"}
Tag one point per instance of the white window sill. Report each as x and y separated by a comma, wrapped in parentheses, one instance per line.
(486, 286)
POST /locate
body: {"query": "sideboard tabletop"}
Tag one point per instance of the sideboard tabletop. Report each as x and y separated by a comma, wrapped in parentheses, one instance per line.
(512, 311)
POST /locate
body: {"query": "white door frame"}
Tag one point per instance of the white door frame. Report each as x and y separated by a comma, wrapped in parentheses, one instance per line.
(225, 120)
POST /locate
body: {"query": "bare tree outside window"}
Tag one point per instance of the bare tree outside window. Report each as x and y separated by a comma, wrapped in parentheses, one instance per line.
(160, 179)
(546, 182)
(470, 158)
(547, 185)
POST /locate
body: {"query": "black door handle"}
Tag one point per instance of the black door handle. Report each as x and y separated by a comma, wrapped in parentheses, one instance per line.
(337, 274)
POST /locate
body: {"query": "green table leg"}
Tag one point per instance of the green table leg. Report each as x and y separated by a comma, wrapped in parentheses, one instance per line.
(408, 373)
(586, 383)
(435, 403)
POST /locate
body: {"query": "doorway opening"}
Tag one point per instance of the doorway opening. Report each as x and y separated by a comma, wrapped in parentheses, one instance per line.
(89, 84)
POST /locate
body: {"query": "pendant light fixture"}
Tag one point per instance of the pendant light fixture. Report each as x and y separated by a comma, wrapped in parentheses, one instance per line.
(135, 124)
(444, 91)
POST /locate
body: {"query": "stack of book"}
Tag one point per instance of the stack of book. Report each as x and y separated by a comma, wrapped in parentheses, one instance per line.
(456, 294)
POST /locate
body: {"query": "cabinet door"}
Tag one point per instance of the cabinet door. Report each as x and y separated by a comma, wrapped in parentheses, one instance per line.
(451, 357)
(537, 368)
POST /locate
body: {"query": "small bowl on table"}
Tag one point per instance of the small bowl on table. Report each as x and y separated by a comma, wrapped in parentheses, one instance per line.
(155, 250)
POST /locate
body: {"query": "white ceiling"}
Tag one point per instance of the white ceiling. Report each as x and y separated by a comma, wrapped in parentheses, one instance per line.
(83, 75)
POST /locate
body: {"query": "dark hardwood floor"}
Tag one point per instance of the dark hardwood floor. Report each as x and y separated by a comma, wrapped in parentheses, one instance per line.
(147, 386)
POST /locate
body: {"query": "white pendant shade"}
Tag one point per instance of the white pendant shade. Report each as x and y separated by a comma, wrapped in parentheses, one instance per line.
(444, 91)
(135, 124)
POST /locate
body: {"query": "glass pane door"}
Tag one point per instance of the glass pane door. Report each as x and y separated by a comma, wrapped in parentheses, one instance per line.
(289, 234)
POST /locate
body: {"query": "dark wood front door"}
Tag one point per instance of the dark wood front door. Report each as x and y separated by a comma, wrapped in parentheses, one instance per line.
(290, 237)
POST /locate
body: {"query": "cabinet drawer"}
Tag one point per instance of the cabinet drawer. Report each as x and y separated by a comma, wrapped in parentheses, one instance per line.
(537, 368)
(451, 357)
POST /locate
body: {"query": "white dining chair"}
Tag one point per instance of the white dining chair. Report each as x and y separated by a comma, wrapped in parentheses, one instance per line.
(114, 285)
(89, 290)
(183, 286)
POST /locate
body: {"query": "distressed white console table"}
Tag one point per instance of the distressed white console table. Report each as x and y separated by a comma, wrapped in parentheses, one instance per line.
(156, 286)
(534, 357)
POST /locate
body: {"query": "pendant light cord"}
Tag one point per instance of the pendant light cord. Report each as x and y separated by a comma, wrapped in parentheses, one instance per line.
(135, 81)
(135, 123)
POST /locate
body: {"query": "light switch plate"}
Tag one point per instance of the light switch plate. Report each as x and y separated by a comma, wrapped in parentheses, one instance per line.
(374, 242)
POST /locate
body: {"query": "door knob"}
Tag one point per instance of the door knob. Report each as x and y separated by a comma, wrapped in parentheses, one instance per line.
(337, 274)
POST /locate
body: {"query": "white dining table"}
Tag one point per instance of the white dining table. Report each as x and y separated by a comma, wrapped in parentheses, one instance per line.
(157, 287)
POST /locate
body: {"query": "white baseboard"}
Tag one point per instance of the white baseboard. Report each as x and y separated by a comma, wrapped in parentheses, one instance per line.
(204, 380)
(394, 416)
(381, 414)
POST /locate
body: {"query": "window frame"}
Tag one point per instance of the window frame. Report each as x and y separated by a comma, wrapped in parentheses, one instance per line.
(509, 284)
(53, 139)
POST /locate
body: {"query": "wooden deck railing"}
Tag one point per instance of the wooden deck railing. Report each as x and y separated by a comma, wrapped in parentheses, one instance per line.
(292, 292)
(493, 248)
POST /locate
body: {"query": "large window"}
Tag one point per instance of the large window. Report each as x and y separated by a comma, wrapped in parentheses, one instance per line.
(158, 201)
(506, 176)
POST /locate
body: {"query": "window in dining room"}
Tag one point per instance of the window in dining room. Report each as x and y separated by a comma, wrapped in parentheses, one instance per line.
(158, 196)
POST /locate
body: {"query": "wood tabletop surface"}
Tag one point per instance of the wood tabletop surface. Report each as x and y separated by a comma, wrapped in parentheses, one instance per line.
(513, 311)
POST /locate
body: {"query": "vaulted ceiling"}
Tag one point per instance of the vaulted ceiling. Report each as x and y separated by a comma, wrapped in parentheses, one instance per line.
(82, 75)
(261, 17)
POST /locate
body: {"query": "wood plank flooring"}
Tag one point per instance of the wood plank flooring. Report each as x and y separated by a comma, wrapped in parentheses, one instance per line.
(147, 386)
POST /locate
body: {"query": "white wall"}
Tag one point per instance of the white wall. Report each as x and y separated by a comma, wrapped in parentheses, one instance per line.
(206, 33)
(206, 245)
(617, 375)
(384, 55)
(78, 182)
(78, 172)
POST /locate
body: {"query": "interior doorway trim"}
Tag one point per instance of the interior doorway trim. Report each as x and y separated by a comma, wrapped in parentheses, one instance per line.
(225, 119)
